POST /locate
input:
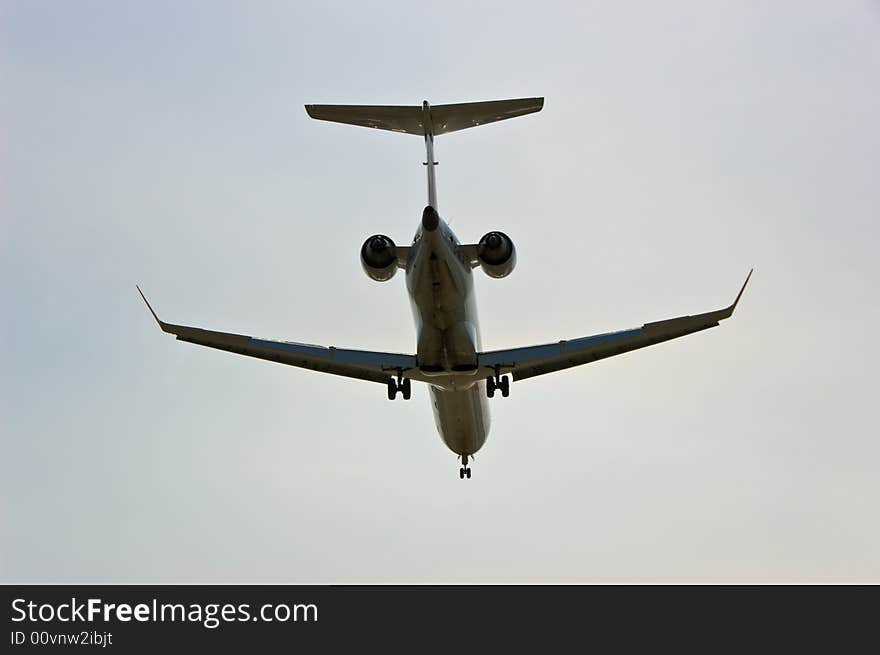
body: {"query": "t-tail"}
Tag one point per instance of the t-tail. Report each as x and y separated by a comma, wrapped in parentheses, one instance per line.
(426, 121)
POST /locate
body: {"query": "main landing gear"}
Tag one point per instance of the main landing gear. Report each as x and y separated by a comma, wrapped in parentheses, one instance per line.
(499, 382)
(465, 470)
(402, 385)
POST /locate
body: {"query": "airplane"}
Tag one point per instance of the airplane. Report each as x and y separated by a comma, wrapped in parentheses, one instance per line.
(449, 356)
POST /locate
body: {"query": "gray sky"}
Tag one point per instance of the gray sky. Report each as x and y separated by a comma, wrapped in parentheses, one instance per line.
(681, 143)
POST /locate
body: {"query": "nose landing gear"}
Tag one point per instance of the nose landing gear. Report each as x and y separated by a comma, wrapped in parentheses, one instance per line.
(465, 470)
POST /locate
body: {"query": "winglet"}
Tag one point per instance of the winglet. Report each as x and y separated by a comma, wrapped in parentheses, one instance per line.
(726, 313)
(739, 295)
(161, 324)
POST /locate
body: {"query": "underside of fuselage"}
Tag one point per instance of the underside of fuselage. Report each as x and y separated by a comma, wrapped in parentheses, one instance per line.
(441, 291)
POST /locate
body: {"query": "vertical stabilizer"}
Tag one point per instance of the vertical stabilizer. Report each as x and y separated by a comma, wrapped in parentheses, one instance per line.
(430, 162)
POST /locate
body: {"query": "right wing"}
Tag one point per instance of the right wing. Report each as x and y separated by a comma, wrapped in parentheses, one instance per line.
(358, 364)
(530, 361)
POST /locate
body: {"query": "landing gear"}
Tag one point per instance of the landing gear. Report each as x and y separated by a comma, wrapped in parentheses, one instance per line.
(499, 382)
(504, 385)
(404, 386)
(465, 470)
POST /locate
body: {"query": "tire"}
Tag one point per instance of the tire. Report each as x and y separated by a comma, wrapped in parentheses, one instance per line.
(392, 389)
(461, 474)
(490, 387)
(468, 474)
(505, 386)
(406, 387)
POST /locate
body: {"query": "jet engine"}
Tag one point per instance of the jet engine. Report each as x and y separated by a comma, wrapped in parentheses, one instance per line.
(497, 254)
(379, 257)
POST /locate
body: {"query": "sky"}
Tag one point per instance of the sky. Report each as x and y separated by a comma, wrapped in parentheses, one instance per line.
(681, 144)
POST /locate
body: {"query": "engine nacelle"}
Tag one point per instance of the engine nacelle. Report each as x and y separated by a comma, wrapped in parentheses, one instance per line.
(497, 254)
(379, 258)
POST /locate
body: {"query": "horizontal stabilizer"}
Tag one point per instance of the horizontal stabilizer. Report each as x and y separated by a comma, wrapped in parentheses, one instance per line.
(438, 119)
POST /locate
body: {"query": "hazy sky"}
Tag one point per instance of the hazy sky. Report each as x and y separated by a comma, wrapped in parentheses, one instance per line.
(681, 143)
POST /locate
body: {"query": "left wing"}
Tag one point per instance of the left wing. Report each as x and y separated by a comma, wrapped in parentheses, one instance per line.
(359, 364)
(530, 361)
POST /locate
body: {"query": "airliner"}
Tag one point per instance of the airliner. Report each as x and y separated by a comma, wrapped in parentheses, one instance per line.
(449, 356)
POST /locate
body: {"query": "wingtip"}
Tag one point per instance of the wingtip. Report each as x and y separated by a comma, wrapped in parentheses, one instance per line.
(739, 295)
(150, 307)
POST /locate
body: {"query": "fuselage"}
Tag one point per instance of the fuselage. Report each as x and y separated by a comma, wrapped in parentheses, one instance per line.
(441, 291)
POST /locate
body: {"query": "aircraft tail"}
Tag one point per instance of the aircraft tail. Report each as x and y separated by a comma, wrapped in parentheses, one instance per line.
(426, 120)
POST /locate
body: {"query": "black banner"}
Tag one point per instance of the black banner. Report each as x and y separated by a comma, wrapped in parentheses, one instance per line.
(146, 618)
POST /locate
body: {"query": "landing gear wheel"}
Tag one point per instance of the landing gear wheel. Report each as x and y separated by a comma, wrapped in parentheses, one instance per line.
(499, 382)
(461, 473)
(406, 388)
(392, 389)
(467, 472)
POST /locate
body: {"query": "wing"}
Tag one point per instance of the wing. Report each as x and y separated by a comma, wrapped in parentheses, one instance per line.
(359, 364)
(530, 361)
